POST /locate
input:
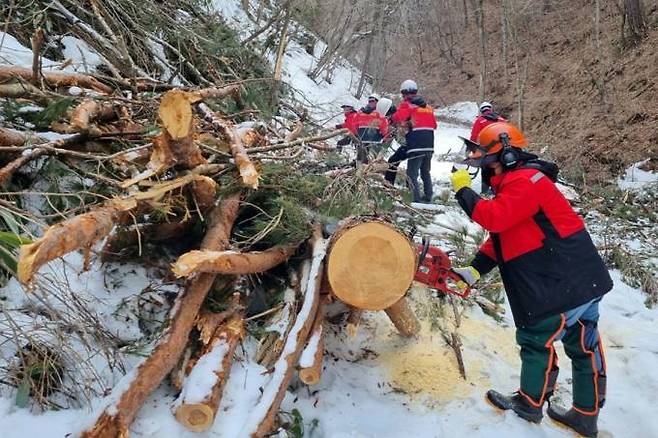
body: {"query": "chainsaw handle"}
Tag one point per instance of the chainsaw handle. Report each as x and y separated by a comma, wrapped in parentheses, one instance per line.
(452, 275)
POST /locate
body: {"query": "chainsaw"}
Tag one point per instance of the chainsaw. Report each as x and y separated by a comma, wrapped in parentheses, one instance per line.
(435, 270)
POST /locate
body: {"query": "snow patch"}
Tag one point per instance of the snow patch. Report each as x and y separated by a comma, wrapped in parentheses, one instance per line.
(635, 178)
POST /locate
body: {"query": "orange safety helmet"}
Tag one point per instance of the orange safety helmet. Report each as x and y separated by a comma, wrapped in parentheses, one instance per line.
(490, 142)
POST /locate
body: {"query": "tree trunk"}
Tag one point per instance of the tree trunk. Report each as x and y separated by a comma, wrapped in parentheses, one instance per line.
(479, 14)
(371, 264)
(146, 377)
(310, 362)
(403, 318)
(55, 79)
(634, 11)
(262, 416)
(232, 262)
(196, 410)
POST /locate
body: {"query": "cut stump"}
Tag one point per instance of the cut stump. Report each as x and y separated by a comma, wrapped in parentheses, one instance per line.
(371, 264)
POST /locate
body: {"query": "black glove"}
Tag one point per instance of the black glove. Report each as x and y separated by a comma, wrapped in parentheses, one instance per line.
(344, 141)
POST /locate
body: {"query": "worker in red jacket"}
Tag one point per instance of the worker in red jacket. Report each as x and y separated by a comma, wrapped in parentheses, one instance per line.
(350, 114)
(553, 275)
(371, 128)
(417, 117)
(486, 117)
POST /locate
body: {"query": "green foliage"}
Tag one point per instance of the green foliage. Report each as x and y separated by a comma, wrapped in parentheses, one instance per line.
(55, 111)
(9, 244)
(293, 422)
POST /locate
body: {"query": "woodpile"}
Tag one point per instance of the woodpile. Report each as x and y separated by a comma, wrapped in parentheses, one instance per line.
(241, 200)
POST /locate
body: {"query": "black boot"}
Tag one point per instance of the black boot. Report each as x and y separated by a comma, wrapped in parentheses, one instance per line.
(583, 424)
(517, 403)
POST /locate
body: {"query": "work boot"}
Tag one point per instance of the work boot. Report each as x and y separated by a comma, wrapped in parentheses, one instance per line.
(517, 403)
(581, 423)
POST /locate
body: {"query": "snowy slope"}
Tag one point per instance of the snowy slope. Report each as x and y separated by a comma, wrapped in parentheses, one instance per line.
(322, 98)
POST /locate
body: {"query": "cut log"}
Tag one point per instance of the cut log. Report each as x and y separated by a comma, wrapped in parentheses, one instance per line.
(371, 264)
(310, 362)
(199, 400)
(204, 190)
(261, 419)
(232, 262)
(128, 397)
(37, 41)
(55, 79)
(271, 345)
(175, 112)
(403, 318)
(78, 232)
(89, 110)
(353, 322)
(248, 172)
(9, 137)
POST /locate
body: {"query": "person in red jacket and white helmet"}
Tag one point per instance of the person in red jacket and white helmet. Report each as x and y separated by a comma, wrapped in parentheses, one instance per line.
(350, 114)
(553, 275)
(486, 117)
(418, 117)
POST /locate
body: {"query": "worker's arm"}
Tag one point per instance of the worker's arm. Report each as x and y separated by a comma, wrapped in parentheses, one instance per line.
(515, 202)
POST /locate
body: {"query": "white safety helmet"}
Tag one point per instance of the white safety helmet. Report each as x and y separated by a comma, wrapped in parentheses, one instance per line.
(408, 86)
(346, 104)
(374, 96)
(485, 106)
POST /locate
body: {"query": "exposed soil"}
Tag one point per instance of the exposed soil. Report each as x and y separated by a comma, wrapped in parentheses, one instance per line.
(593, 131)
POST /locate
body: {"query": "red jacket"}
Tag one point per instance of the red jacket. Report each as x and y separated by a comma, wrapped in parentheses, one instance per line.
(546, 258)
(349, 122)
(418, 117)
(421, 122)
(370, 125)
(483, 120)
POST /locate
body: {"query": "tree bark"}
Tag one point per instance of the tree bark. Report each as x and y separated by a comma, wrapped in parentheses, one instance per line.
(248, 172)
(124, 405)
(634, 11)
(195, 410)
(232, 262)
(55, 79)
(310, 363)
(262, 417)
(403, 318)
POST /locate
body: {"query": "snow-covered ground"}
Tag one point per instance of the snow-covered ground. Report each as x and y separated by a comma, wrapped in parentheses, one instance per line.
(376, 384)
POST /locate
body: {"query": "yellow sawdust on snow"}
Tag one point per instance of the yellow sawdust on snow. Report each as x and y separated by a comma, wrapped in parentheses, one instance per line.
(426, 367)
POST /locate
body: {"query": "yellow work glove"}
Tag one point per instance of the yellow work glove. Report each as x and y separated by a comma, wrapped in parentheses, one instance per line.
(469, 276)
(460, 179)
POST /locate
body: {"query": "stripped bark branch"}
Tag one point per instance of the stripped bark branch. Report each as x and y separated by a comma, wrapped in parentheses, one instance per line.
(232, 262)
(124, 405)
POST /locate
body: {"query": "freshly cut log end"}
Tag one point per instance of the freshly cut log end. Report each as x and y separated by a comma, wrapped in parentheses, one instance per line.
(107, 426)
(196, 417)
(371, 265)
(403, 318)
(176, 113)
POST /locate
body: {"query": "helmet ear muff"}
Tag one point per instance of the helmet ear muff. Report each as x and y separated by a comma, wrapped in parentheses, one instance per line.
(509, 155)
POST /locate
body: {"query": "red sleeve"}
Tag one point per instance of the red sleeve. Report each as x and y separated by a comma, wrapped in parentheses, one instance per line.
(402, 114)
(516, 201)
(488, 249)
(383, 126)
(477, 127)
(351, 123)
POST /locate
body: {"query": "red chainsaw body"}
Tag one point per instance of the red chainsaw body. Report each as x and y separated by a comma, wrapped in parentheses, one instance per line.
(435, 270)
